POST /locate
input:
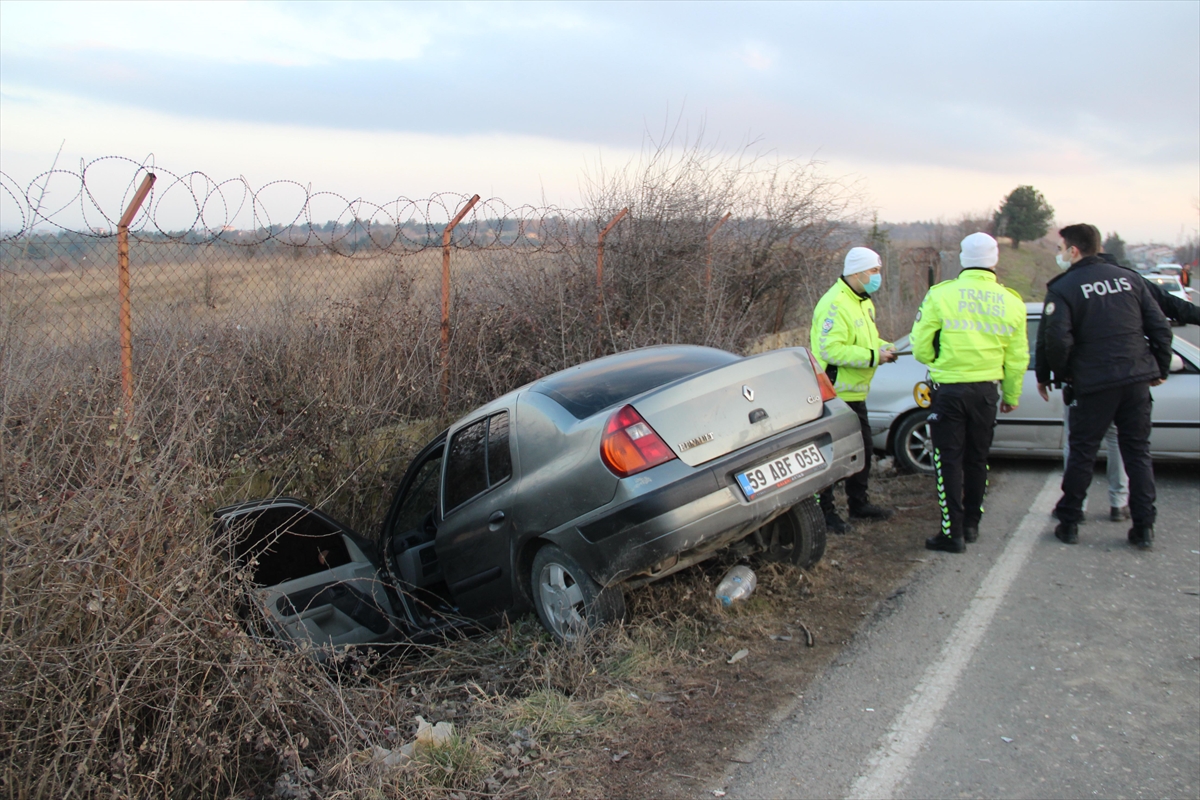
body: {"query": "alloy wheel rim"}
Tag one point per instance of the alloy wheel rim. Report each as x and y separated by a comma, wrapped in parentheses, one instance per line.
(920, 446)
(562, 599)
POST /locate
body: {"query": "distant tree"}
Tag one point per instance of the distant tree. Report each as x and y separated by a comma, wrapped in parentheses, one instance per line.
(878, 238)
(1114, 245)
(1023, 216)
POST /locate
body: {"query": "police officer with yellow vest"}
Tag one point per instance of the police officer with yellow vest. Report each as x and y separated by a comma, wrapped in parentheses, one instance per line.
(847, 346)
(970, 332)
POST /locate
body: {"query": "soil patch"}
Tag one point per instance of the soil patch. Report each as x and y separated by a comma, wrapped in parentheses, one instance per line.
(690, 719)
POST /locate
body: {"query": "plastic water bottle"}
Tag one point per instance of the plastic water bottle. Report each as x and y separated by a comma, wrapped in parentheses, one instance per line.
(737, 585)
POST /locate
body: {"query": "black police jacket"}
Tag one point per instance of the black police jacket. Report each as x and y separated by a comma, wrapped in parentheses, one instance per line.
(1101, 328)
(1173, 307)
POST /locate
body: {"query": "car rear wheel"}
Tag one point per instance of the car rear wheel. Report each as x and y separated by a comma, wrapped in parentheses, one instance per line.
(568, 602)
(797, 536)
(914, 444)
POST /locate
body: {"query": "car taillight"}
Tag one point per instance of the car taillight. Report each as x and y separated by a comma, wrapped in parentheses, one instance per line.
(827, 392)
(630, 446)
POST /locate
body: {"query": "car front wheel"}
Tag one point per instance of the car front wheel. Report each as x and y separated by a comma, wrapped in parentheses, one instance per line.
(914, 444)
(568, 601)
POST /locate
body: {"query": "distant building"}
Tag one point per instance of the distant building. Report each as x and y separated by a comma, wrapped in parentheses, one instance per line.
(1146, 255)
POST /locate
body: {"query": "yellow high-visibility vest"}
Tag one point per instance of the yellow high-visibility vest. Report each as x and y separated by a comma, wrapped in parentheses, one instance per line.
(978, 325)
(844, 334)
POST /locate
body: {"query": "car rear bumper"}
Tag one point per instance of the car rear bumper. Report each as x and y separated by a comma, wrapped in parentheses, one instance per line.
(657, 532)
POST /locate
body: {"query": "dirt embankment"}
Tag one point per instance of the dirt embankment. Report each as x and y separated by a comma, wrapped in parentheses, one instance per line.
(692, 717)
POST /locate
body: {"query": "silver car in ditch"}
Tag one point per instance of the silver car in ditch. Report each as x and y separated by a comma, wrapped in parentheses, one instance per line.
(558, 496)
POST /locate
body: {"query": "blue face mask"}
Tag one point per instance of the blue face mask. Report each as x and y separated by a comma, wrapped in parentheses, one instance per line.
(873, 285)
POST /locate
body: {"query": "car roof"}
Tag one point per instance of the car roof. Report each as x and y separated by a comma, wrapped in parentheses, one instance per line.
(581, 387)
(594, 385)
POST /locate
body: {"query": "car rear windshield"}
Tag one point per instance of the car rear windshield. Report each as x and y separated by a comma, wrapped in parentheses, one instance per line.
(599, 384)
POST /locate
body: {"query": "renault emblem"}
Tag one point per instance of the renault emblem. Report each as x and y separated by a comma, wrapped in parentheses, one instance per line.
(748, 393)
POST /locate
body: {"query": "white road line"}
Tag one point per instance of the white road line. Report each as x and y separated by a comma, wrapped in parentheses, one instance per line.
(900, 746)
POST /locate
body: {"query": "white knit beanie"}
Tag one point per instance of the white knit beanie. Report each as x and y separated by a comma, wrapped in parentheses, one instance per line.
(979, 250)
(860, 259)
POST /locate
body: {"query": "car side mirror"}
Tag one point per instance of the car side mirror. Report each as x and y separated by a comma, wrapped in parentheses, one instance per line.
(1176, 363)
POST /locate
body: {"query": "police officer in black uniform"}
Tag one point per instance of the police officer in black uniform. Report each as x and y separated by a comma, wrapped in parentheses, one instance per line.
(1107, 339)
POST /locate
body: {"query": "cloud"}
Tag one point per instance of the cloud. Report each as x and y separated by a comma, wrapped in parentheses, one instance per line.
(377, 166)
(283, 34)
(982, 89)
(919, 83)
(758, 56)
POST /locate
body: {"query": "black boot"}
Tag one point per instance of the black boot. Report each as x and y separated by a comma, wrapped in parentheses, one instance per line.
(1117, 514)
(970, 534)
(835, 524)
(947, 544)
(1068, 533)
(1142, 536)
(865, 510)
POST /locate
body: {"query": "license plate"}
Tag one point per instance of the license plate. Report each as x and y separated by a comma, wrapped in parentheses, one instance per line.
(780, 471)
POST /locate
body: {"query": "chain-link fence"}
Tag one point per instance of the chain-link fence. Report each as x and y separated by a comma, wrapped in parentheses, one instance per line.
(452, 313)
(295, 309)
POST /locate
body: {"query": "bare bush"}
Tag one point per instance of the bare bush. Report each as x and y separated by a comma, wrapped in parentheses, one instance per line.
(127, 664)
(673, 281)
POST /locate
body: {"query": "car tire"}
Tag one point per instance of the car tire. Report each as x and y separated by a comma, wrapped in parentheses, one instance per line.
(797, 536)
(568, 602)
(913, 444)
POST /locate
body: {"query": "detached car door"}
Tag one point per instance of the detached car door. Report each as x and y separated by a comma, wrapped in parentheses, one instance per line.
(313, 580)
(474, 539)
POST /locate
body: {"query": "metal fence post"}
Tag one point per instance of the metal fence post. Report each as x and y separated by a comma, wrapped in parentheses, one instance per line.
(126, 317)
(446, 297)
(600, 262)
(708, 249)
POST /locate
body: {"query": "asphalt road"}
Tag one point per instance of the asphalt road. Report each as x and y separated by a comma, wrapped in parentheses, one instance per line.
(1026, 668)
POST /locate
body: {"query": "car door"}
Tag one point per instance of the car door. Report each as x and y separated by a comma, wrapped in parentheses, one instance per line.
(310, 579)
(408, 539)
(1035, 425)
(474, 538)
(1176, 415)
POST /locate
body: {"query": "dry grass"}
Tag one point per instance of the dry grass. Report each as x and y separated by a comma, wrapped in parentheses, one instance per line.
(130, 670)
(128, 666)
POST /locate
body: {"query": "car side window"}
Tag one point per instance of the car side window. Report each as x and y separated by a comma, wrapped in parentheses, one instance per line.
(1031, 329)
(499, 458)
(421, 497)
(479, 458)
(1180, 365)
(466, 465)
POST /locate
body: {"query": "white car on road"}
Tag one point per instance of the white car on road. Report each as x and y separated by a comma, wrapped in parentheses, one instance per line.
(900, 427)
(1172, 286)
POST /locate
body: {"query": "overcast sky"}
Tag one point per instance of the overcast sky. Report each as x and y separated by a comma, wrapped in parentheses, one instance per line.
(937, 109)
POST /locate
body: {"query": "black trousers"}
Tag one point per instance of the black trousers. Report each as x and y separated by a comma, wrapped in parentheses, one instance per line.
(962, 419)
(1128, 407)
(856, 484)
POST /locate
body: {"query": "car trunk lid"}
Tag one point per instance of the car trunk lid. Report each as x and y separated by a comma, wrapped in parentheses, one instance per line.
(722, 410)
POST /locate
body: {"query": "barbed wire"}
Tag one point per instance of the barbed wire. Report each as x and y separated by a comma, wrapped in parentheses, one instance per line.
(194, 208)
(260, 286)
